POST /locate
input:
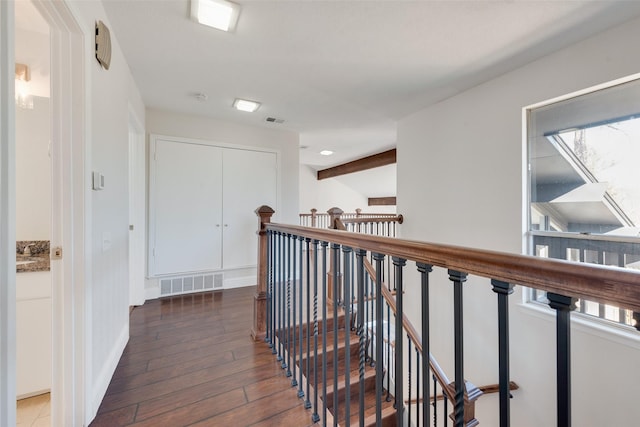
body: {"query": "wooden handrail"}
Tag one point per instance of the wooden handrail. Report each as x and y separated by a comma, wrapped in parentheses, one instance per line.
(605, 284)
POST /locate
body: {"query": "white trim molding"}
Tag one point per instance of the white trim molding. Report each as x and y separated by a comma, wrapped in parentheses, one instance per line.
(70, 202)
(7, 218)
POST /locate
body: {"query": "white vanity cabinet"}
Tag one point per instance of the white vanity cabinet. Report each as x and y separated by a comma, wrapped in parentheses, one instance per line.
(202, 199)
(33, 333)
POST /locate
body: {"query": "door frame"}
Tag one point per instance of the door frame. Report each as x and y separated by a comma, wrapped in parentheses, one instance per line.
(137, 214)
(7, 217)
(70, 208)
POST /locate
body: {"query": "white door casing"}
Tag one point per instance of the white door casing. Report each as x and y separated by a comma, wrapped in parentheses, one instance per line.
(7, 218)
(70, 202)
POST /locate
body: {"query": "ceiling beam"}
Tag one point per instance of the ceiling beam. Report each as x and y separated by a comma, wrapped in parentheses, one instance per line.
(382, 201)
(369, 162)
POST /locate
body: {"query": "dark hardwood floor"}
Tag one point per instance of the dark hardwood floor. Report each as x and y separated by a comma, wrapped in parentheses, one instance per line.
(190, 361)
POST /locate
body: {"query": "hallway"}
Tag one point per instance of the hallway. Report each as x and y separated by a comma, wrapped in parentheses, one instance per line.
(190, 360)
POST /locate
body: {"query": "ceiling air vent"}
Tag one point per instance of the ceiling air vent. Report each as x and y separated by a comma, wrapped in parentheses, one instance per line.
(274, 120)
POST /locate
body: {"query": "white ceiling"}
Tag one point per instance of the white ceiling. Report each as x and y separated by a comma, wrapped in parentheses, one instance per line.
(341, 73)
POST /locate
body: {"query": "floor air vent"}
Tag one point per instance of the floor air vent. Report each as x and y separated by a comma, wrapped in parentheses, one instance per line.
(189, 284)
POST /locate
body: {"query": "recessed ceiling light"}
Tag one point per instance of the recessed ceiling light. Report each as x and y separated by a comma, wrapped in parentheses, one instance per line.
(220, 14)
(246, 105)
(326, 152)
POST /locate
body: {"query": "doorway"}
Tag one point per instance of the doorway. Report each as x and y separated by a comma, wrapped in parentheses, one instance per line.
(69, 202)
(33, 216)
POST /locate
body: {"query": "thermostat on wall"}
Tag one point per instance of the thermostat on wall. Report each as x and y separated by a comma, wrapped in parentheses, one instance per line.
(98, 181)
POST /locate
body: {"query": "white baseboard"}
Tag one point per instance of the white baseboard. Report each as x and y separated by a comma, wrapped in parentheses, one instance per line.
(152, 293)
(239, 282)
(108, 369)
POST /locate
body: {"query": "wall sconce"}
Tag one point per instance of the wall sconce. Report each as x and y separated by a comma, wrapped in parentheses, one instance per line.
(23, 98)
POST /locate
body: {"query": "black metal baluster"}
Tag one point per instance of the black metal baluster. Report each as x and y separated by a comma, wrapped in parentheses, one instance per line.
(335, 253)
(352, 300)
(347, 336)
(409, 377)
(324, 333)
(445, 411)
(367, 318)
(435, 402)
(379, 258)
(294, 381)
(458, 278)
(307, 402)
(269, 283)
(399, 264)
(388, 359)
(283, 299)
(360, 254)
(418, 380)
(636, 317)
(300, 338)
(563, 306)
(503, 290)
(388, 352)
(315, 417)
(424, 270)
(280, 298)
(286, 364)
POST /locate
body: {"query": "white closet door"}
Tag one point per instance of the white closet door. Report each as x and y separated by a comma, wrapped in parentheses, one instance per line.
(187, 199)
(249, 181)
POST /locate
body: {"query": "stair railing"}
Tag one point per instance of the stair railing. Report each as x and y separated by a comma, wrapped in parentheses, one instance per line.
(380, 224)
(297, 315)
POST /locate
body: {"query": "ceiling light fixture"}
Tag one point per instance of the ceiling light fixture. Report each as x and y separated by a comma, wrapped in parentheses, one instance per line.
(246, 105)
(220, 14)
(23, 98)
(326, 152)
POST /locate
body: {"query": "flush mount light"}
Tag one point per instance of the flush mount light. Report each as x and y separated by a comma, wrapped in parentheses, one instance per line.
(220, 14)
(245, 105)
(326, 152)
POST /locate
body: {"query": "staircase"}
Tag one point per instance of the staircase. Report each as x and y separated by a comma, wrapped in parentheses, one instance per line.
(332, 392)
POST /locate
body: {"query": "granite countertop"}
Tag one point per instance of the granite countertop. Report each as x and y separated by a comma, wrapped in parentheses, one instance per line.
(37, 261)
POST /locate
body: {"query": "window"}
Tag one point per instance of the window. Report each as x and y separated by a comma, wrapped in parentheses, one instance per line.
(584, 184)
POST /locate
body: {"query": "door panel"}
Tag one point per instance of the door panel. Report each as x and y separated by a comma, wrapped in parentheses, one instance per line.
(188, 220)
(249, 181)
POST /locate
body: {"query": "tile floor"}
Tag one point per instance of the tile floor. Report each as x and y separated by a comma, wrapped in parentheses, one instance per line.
(34, 411)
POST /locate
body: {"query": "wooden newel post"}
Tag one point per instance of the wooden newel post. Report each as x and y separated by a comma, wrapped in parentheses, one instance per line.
(334, 216)
(313, 217)
(259, 329)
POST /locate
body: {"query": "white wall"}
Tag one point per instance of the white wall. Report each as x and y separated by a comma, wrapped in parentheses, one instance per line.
(33, 172)
(467, 154)
(111, 93)
(208, 129)
(348, 192)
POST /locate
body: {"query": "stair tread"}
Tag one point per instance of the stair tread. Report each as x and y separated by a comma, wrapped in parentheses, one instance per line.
(369, 408)
(354, 381)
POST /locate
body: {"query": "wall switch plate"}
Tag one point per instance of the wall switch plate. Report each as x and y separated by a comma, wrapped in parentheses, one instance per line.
(98, 181)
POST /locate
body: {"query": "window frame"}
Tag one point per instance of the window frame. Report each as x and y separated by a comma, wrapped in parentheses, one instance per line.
(597, 113)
